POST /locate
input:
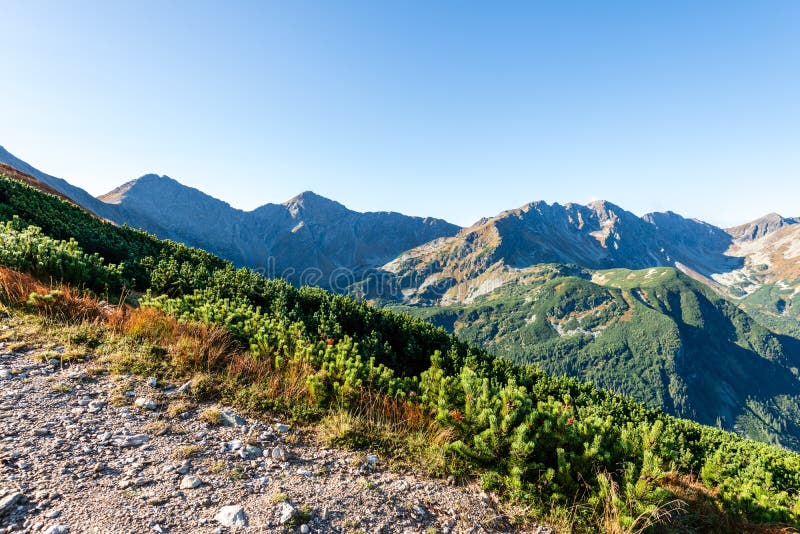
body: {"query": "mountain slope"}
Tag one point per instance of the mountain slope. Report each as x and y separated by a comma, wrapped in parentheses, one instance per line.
(20, 176)
(76, 194)
(767, 285)
(757, 264)
(761, 227)
(655, 335)
(599, 235)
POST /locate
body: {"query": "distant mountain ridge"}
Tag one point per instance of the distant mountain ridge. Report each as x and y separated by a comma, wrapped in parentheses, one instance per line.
(762, 227)
(599, 235)
(313, 240)
(308, 239)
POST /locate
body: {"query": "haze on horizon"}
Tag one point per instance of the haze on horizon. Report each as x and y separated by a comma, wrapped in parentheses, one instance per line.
(435, 109)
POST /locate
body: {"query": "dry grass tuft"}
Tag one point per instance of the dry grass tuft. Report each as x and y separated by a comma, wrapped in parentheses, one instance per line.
(211, 416)
(51, 301)
(705, 509)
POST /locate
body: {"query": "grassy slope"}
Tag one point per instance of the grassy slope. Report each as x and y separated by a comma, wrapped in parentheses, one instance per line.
(776, 307)
(654, 335)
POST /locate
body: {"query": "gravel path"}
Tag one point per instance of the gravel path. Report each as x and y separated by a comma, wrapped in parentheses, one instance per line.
(82, 451)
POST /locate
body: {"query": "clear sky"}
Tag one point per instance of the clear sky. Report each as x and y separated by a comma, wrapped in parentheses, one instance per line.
(445, 108)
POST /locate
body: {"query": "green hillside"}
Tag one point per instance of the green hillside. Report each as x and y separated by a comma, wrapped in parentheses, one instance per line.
(559, 447)
(654, 335)
(776, 306)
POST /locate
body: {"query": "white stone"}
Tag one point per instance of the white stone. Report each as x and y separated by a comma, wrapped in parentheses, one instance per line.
(191, 482)
(229, 418)
(95, 406)
(145, 403)
(287, 512)
(131, 441)
(278, 453)
(231, 516)
(7, 502)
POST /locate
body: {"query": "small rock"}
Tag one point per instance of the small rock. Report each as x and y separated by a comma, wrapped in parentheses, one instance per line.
(287, 512)
(281, 428)
(184, 467)
(231, 516)
(304, 529)
(131, 441)
(152, 381)
(250, 452)
(145, 403)
(95, 406)
(5, 374)
(231, 419)
(372, 459)
(191, 482)
(184, 388)
(57, 529)
(9, 501)
(41, 432)
(278, 453)
(53, 514)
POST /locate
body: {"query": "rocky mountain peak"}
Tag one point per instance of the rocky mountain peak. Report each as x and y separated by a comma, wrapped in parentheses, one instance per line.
(760, 227)
(605, 209)
(309, 201)
(159, 192)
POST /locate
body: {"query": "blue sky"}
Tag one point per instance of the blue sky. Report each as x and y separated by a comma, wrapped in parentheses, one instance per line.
(444, 108)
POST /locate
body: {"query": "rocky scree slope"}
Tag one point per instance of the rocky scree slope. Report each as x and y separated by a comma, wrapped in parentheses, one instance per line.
(82, 450)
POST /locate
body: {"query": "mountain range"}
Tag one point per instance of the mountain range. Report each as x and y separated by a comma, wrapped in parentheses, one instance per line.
(308, 239)
(680, 314)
